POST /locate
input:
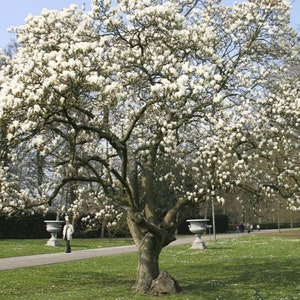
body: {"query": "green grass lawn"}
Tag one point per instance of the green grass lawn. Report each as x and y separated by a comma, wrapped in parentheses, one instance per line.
(251, 267)
(12, 248)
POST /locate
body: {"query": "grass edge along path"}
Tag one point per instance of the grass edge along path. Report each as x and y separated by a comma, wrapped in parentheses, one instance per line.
(248, 267)
(23, 247)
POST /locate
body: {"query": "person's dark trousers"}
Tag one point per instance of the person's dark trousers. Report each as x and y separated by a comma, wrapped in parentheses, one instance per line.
(68, 250)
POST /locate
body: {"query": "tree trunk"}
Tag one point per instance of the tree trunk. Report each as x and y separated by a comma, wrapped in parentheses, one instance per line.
(150, 240)
(148, 266)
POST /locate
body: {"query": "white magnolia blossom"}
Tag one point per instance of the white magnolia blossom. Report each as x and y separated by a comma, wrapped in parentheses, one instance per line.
(139, 96)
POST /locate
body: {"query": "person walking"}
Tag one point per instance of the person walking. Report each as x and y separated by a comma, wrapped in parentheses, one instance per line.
(248, 228)
(242, 227)
(68, 231)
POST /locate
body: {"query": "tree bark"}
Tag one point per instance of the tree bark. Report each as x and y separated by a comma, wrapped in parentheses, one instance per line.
(150, 240)
(148, 266)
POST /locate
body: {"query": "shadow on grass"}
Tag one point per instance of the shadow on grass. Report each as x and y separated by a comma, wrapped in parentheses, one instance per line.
(222, 248)
(103, 280)
(245, 278)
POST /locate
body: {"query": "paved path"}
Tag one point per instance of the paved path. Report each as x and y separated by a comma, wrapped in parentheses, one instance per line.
(61, 257)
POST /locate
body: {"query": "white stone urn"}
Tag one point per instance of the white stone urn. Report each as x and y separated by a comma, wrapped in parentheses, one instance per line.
(198, 227)
(53, 227)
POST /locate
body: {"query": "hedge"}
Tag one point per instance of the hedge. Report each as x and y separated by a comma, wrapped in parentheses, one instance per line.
(21, 227)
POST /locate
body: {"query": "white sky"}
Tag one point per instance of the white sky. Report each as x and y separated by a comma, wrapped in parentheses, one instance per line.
(13, 13)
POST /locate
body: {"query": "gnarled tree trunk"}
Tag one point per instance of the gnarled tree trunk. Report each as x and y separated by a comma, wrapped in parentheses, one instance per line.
(148, 266)
(149, 248)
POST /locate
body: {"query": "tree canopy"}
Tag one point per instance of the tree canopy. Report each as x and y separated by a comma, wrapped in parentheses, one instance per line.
(157, 105)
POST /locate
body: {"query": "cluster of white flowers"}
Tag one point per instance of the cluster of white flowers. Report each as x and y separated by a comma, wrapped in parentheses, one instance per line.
(140, 80)
(104, 215)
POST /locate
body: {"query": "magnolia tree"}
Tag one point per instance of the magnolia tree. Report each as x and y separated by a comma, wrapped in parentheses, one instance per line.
(105, 214)
(137, 97)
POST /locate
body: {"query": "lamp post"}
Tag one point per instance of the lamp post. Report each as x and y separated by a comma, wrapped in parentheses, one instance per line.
(213, 218)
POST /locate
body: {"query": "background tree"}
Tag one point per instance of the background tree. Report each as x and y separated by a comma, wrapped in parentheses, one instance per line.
(112, 95)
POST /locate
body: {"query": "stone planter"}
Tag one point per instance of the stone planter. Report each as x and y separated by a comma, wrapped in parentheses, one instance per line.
(53, 227)
(198, 227)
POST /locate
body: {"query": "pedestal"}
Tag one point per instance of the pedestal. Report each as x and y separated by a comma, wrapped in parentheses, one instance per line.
(198, 227)
(53, 227)
(198, 243)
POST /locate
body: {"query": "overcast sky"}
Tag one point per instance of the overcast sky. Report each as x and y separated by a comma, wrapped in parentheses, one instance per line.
(13, 13)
